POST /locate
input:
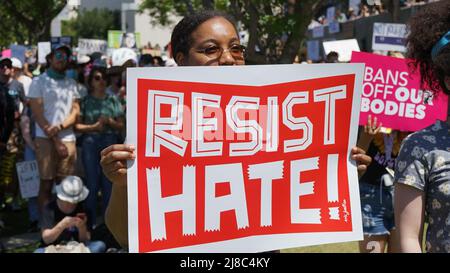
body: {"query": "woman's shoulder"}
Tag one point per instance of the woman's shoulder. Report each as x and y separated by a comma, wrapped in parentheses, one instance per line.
(426, 133)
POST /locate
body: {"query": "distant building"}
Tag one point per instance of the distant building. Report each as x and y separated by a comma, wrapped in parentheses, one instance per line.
(133, 21)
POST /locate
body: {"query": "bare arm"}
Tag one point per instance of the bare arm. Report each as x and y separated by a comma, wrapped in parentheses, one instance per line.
(51, 234)
(83, 233)
(114, 165)
(87, 128)
(37, 108)
(116, 216)
(116, 123)
(25, 128)
(72, 118)
(409, 207)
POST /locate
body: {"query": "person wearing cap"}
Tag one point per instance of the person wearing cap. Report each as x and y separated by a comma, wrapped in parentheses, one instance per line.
(19, 75)
(64, 219)
(54, 104)
(15, 88)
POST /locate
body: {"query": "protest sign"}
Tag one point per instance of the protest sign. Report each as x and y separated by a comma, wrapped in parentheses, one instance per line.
(389, 37)
(318, 32)
(118, 39)
(313, 50)
(343, 47)
(28, 174)
(229, 160)
(89, 46)
(18, 51)
(44, 48)
(6, 53)
(65, 40)
(354, 4)
(333, 27)
(114, 38)
(393, 94)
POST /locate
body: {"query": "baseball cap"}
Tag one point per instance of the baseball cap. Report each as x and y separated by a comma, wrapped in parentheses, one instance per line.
(63, 46)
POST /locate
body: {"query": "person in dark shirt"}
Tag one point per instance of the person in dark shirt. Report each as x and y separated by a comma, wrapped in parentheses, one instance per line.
(7, 107)
(376, 188)
(64, 220)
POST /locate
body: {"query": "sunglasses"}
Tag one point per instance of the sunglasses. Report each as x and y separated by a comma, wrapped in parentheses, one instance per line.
(61, 56)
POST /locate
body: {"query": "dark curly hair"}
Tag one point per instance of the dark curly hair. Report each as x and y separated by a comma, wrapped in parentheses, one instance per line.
(426, 28)
(181, 36)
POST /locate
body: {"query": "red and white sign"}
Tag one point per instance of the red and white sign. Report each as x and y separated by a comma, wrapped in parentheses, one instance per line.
(393, 94)
(242, 159)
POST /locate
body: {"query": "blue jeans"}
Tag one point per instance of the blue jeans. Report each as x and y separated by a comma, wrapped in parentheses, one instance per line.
(94, 247)
(377, 209)
(92, 145)
(33, 209)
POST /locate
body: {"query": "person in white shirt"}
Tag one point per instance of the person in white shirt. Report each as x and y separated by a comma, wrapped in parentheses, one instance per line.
(54, 103)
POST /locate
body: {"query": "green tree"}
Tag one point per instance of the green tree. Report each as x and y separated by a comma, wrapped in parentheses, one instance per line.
(27, 20)
(92, 24)
(276, 27)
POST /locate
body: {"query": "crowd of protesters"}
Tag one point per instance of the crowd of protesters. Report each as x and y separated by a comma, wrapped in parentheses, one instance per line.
(361, 10)
(62, 114)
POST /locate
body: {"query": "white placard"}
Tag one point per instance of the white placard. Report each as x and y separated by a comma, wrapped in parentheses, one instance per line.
(389, 37)
(29, 180)
(44, 48)
(343, 47)
(89, 46)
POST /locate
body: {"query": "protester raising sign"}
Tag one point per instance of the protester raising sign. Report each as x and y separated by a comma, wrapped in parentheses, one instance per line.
(393, 94)
(242, 159)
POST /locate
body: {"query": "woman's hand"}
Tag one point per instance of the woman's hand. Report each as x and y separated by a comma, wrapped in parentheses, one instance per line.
(114, 162)
(362, 160)
(371, 128)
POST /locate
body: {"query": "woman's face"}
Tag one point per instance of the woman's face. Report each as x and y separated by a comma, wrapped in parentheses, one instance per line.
(214, 42)
(98, 81)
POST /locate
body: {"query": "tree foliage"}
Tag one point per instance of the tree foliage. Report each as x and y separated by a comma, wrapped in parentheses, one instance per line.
(92, 24)
(27, 20)
(276, 27)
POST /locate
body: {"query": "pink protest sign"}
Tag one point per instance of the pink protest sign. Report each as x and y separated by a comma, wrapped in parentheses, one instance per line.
(393, 94)
(6, 53)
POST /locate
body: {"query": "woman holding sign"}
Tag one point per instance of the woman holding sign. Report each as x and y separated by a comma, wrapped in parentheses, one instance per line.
(208, 38)
(376, 187)
(422, 173)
